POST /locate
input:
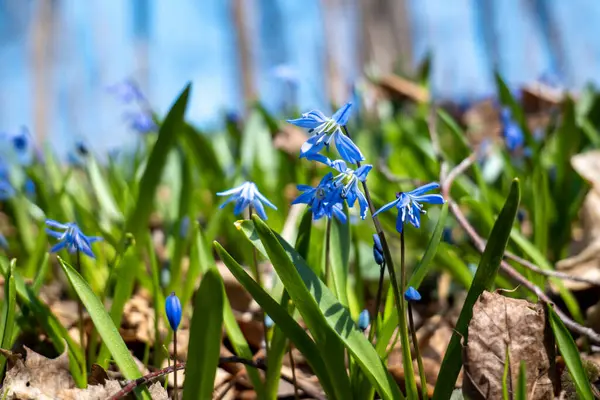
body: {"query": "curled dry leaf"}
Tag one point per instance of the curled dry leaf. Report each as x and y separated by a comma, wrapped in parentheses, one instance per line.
(586, 259)
(502, 325)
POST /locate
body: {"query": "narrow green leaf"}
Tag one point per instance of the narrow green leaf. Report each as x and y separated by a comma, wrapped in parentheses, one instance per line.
(422, 267)
(205, 338)
(339, 258)
(101, 189)
(328, 321)
(304, 232)
(506, 378)
(169, 130)
(106, 328)
(483, 280)
(8, 307)
(282, 319)
(568, 349)
(522, 384)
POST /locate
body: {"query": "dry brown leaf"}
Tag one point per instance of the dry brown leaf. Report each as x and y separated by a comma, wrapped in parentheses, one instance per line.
(499, 324)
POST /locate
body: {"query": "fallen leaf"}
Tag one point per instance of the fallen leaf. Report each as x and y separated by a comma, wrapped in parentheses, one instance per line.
(502, 324)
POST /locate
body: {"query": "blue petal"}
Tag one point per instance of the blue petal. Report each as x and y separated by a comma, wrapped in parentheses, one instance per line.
(338, 213)
(400, 221)
(305, 198)
(310, 120)
(235, 190)
(92, 239)
(87, 251)
(54, 234)
(260, 209)
(425, 188)
(342, 115)
(321, 158)
(264, 200)
(412, 294)
(415, 217)
(339, 165)
(362, 172)
(58, 246)
(346, 147)
(386, 207)
(431, 199)
(241, 205)
(312, 145)
(364, 205)
(55, 224)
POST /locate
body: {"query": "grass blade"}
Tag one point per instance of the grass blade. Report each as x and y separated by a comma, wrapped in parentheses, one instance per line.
(104, 324)
(327, 319)
(522, 384)
(101, 188)
(484, 278)
(205, 338)
(340, 254)
(568, 349)
(171, 127)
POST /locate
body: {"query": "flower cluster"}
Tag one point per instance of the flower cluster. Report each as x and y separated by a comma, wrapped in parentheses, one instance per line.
(140, 120)
(327, 198)
(511, 131)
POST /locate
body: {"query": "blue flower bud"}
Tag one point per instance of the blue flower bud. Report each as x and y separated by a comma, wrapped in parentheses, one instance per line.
(412, 294)
(173, 310)
(269, 321)
(377, 250)
(364, 319)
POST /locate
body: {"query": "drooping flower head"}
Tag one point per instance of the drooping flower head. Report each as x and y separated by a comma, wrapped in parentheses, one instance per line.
(412, 294)
(126, 91)
(410, 205)
(511, 131)
(364, 319)
(325, 131)
(141, 121)
(173, 310)
(245, 195)
(71, 238)
(323, 200)
(348, 179)
(378, 250)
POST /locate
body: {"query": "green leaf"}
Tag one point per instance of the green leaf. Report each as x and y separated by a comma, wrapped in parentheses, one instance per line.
(339, 256)
(304, 233)
(483, 280)
(50, 324)
(170, 129)
(8, 307)
(103, 323)
(328, 321)
(282, 319)
(522, 384)
(568, 349)
(102, 191)
(205, 338)
(422, 267)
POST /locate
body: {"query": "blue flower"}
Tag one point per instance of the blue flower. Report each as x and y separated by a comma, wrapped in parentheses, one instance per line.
(412, 294)
(173, 310)
(511, 131)
(269, 321)
(20, 140)
(81, 148)
(72, 238)
(325, 130)
(127, 91)
(409, 205)
(3, 242)
(6, 189)
(245, 195)
(364, 319)
(286, 73)
(141, 121)
(29, 187)
(323, 200)
(349, 178)
(378, 250)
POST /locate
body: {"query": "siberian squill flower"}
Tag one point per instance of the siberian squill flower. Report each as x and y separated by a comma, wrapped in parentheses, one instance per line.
(411, 294)
(71, 238)
(377, 250)
(127, 91)
(6, 189)
(325, 130)
(511, 131)
(323, 200)
(348, 179)
(364, 319)
(141, 121)
(410, 205)
(245, 195)
(173, 310)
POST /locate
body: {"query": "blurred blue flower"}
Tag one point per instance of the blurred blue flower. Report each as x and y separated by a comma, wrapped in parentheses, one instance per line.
(245, 195)
(412, 294)
(71, 238)
(511, 131)
(364, 319)
(141, 122)
(269, 321)
(173, 310)
(6, 189)
(378, 250)
(447, 235)
(286, 73)
(184, 227)
(323, 200)
(127, 91)
(29, 187)
(325, 130)
(81, 148)
(21, 140)
(3, 242)
(409, 205)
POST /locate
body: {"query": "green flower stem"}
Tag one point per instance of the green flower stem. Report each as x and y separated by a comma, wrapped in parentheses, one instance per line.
(413, 333)
(80, 325)
(374, 322)
(411, 384)
(175, 386)
(257, 276)
(327, 251)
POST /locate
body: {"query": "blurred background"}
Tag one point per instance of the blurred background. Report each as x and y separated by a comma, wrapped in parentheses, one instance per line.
(59, 57)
